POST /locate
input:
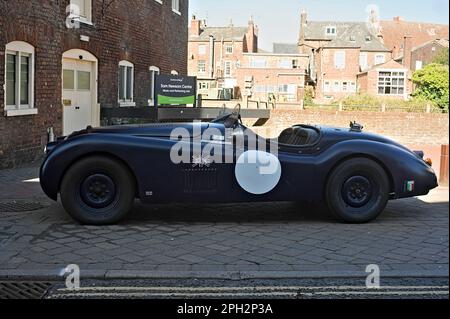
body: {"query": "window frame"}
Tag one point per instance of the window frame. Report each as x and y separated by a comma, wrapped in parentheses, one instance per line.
(126, 102)
(389, 79)
(176, 6)
(203, 69)
(344, 57)
(228, 46)
(378, 55)
(20, 49)
(329, 29)
(225, 73)
(154, 70)
(86, 17)
(203, 49)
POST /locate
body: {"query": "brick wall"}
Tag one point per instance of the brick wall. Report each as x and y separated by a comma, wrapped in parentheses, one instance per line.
(406, 128)
(143, 32)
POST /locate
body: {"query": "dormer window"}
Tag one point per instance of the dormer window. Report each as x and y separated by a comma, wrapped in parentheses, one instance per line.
(368, 38)
(352, 38)
(330, 30)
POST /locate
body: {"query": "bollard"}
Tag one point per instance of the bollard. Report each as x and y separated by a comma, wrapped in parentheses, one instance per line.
(443, 178)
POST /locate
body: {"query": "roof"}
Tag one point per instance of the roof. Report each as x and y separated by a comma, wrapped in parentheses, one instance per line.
(230, 33)
(348, 35)
(391, 64)
(285, 48)
(442, 42)
(394, 32)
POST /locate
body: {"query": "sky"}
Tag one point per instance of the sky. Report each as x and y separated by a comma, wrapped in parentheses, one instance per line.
(279, 20)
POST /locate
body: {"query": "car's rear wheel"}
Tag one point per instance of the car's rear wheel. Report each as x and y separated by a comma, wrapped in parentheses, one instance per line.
(98, 190)
(357, 191)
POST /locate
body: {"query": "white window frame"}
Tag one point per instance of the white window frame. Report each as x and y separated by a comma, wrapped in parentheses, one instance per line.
(126, 102)
(19, 49)
(201, 66)
(378, 58)
(154, 70)
(404, 77)
(363, 61)
(83, 17)
(258, 63)
(202, 49)
(228, 74)
(327, 86)
(176, 6)
(227, 47)
(329, 30)
(285, 64)
(336, 65)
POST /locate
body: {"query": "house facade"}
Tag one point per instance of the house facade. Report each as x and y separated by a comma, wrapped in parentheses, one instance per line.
(339, 52)
(229, 65)
(425, 53)
(72, 63)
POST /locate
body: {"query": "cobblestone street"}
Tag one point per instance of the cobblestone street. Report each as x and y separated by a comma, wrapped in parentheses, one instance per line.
(267, 240)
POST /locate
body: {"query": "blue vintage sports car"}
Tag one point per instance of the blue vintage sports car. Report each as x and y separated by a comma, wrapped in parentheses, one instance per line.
(99, 172)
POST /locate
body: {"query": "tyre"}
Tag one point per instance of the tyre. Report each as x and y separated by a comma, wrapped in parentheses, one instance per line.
(357, 191)
(98, 190)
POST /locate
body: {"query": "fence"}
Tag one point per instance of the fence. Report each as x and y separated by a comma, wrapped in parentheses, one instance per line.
(426, 108)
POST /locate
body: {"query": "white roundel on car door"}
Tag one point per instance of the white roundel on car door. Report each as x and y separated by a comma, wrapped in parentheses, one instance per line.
(258, 172)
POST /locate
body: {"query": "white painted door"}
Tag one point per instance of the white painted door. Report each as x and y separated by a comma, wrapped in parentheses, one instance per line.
(77, 95)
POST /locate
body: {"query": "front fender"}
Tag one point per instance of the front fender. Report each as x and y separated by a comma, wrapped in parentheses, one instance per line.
(400, 164)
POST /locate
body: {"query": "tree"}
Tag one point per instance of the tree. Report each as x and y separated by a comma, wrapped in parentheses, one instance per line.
(432, 84)
(441, 57)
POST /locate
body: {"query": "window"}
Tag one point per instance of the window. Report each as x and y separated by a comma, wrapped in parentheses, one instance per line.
(285, 64)
(19, 78)
(363, 61)
(202, 67)
(344, 86)
(391, 82)
(419, 65)
(126, 82)
(174, 72)
(176, 6)
(202, 49)
(336, 87)
(339, 60)
(326, 86)
(227, 68)
(288, 92)
(81, 9)
(228, 49)
(379, 59)
(154, 71)
(203, 85)
(353, 87)
(330, 30)
(295, 64)
(258, 63)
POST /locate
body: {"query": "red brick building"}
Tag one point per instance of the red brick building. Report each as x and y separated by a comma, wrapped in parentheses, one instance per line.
(339, 52)
(228, 64)
(72, 63)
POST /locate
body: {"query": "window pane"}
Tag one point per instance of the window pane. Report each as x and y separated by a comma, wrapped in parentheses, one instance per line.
(84, 81)
(121, 83)
(129, 95)
(68, 79)
(24, 79)
(10, 79)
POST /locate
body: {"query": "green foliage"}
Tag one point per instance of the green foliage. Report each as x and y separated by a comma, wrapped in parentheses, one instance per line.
(442, 57)
(309, 96)
(432, 83)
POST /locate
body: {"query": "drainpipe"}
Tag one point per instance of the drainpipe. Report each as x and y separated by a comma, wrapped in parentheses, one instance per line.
(211, 56)
(50, 135)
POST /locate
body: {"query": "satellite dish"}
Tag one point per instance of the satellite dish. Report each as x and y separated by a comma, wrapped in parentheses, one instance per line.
(258, 172)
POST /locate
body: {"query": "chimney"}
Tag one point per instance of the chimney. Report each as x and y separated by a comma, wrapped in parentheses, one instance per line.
(252, 37)
(303, 25)
(407, 47)
(195, 28)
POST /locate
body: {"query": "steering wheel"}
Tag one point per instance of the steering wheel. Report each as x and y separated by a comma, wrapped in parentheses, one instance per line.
(230, 120)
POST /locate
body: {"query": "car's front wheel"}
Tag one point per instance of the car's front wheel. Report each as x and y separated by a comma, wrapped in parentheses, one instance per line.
(357, 191)
(98, 190)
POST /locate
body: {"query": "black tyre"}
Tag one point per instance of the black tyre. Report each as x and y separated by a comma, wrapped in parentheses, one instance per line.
(98, 190)
(357, 191)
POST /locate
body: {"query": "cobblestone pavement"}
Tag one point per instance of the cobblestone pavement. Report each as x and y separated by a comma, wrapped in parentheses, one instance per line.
(411, 237)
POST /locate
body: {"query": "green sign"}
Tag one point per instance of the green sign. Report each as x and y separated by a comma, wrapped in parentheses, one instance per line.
(175, 90)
